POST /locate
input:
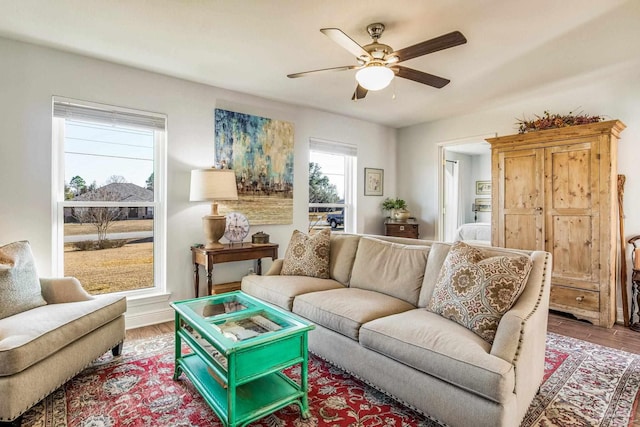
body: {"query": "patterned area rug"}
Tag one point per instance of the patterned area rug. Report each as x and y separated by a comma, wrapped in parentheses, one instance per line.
(585, 385)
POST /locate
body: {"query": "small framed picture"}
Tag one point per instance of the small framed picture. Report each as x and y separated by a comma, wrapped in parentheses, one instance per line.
(373, 182)
(483, 205)
(483, 187)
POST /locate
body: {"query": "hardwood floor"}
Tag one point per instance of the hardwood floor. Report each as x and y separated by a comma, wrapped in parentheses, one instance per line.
(617, 337)
(149, 331)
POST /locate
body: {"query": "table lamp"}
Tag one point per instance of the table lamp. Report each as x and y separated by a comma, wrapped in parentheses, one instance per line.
(474, 209)
(212, 185)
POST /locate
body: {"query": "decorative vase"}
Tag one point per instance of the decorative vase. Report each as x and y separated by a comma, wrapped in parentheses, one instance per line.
(401, 214)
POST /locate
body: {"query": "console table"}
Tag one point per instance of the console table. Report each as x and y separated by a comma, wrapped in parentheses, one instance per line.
(228, 253)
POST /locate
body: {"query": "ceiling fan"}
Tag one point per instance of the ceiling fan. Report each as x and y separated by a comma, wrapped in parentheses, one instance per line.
(378, 63)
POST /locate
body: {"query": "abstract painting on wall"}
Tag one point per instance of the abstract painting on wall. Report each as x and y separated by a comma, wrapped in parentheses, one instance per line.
(260, 151)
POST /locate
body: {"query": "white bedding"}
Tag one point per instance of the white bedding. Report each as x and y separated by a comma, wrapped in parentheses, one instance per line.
(475, 232)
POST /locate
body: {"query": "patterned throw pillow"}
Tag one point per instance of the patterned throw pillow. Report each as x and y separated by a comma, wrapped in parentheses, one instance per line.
(19, 284)
(475, 291)
(307, 255)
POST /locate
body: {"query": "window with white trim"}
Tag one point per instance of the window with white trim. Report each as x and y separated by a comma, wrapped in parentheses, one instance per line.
(332, 167)
(109, 190)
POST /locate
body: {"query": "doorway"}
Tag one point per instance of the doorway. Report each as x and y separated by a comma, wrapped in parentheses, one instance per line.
(465, 166)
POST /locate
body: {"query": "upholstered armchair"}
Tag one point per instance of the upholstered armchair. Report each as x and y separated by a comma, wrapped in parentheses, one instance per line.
(50, 330)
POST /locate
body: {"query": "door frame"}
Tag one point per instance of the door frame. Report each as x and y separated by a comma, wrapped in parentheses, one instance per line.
(442, 146)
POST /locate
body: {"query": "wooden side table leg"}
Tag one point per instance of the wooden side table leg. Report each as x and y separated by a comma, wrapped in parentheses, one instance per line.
(259, 267)
(210, 278)
(196, 279)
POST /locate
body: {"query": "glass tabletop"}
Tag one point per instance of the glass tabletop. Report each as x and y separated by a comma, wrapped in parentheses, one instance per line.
(237, 316)
(223, 304)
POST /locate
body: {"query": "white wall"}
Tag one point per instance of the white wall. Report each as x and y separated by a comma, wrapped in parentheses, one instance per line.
(612, 91)
(31, 75)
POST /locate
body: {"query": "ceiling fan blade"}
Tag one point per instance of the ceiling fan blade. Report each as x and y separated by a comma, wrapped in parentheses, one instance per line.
(360, 93)
(445, 41)
(345, 41)
(420, 77)
(306, 73)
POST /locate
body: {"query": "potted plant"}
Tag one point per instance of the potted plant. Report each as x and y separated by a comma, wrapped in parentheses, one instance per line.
(397, 208)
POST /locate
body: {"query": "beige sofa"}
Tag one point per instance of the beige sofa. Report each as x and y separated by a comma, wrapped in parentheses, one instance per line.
(371, 320)
(43, 347)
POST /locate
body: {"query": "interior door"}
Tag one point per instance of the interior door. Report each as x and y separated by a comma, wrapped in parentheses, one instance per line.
(572, 213)
(518, 199)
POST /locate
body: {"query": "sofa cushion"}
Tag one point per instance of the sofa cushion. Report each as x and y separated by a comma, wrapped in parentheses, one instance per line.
(31, 336)
(19, 285)
(281, 290)
(437, 255)
(393, 269)
(475, 291)
(443, 349)
(345, 310)
(342, 254)
(307, 255)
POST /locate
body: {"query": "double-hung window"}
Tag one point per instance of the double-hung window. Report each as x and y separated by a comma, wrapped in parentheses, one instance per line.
(109, 192)
(332, 167)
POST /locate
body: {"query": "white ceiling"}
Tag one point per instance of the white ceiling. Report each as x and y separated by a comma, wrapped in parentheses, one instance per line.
(251, 45)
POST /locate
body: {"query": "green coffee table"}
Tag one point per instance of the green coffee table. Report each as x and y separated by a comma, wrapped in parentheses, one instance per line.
(238, 349)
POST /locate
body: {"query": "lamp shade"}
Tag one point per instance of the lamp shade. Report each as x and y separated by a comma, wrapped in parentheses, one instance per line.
(213, 184)
(374, 77)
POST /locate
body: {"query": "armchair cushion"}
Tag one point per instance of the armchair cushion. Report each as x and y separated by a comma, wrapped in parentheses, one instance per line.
(63, 289)
(19, 285)
(31, 336)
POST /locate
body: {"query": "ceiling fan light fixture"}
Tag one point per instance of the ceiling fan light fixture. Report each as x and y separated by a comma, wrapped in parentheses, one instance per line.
(374, 77)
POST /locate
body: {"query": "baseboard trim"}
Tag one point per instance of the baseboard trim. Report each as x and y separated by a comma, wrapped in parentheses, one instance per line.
(139, 320)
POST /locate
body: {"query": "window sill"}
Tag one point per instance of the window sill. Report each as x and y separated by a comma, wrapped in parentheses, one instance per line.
(140, 300)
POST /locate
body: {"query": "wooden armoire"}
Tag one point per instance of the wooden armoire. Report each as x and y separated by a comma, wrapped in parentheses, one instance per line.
(556, 190)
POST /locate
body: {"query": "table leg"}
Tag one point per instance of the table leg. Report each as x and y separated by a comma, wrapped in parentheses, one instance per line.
(210, 278)
(259, 267)
(177, 370)
(196, 278)
(304, 382)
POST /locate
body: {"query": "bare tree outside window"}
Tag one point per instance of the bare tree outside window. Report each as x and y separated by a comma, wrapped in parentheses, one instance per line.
(100, 217)
(116, 179)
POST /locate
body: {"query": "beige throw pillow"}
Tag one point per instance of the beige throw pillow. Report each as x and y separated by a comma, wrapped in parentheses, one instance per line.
(307, 255)
(19, 284)
(475, 291)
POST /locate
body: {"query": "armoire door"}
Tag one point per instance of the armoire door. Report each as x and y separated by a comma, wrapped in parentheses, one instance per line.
(518, 199)
(572, 212)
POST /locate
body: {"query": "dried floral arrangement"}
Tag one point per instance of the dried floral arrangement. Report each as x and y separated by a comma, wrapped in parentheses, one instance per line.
(552, 121)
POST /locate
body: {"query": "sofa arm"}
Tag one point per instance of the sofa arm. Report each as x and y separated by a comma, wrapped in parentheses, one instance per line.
(522, 332)
(275, 268)
(63, 289)
(529, 314)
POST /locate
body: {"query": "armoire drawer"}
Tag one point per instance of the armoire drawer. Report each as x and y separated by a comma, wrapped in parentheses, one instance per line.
(576, 298)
